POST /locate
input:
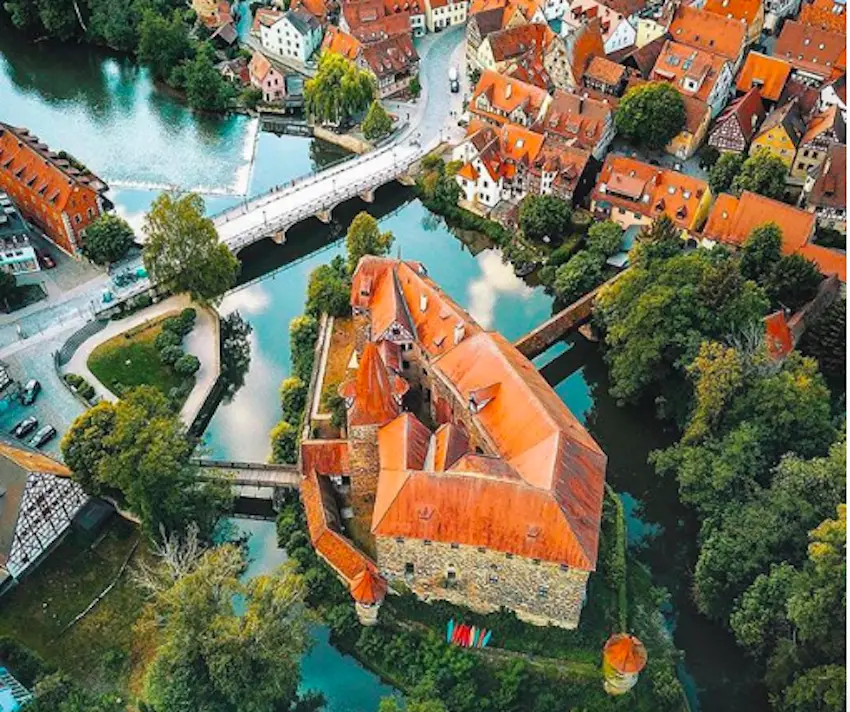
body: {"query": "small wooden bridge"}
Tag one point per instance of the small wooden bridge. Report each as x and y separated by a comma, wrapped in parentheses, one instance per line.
(250, 474)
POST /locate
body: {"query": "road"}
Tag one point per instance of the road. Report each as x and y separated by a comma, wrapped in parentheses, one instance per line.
(429, 123)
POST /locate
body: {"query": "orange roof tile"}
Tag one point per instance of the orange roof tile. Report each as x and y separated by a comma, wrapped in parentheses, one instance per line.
(477, 6)
(368, 587)
(625, 653)
(732, 219)
(338, 42)
(316, 8)
(696, 113)
(742, 10)
(467, 170)
(830, 187)
(829, 262)
(518, 41)
(586, 43)
(577, 118)
(777, 335)
(649, 190)
(708, 32)
(605, 71)
(506, 94)
(826, 120)
(767, 74)
(324, 457)
(373, 393)
(449, 443)
(824, 14)
(404, 443)
(811, 49)
(678, 62)
(265, 17)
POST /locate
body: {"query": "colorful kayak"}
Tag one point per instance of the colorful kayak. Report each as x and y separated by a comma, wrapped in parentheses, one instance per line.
(473, 633)
(450, 629)
(486, 639)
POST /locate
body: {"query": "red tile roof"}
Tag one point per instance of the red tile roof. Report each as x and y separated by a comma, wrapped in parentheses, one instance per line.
(824, 14)
(625, 182)
(767, 74)
(678, 62)
(324, 457)
(625, 653)
(811, 49)
(829, 262)
(519, 41)
(742, 10)
(265, 17)
(374, 392)
(391, 56)
(586, 43)
(604, 70)
(506, 94)
(777, 335)
(544, 469)
(368, 587)
(709, 32)
(732, 220)
(339, 42)
(830, 187)
(577, 118)
(747, 110)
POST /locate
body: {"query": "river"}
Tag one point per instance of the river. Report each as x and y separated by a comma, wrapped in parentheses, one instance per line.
(107, 112)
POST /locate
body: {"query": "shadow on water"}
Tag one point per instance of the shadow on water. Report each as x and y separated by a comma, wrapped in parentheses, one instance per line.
(662, 533)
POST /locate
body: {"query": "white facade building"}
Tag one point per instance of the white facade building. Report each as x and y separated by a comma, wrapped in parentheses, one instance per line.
(296, 35)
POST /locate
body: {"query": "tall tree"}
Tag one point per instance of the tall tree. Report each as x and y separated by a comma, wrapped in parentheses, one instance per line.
(224, 645)
(139, 447)
(793, 281)
(364, 237)
(339, 89)
(108, 239)
(183, 252)
(605, 238)
(762, 250)
(762, 173)
(205, 87)
(163, 42)
(826, 341)
(377, 123)
(722, 174)
(582, 273)
(328, 289)
(651, 114)
(545, 216)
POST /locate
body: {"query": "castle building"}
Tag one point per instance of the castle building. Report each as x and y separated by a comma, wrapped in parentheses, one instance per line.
(476, 482)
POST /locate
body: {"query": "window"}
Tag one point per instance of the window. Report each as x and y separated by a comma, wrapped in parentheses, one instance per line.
(482, 550)
(493, 578)
(399, 540)
(408, 570)
(542, 591)
(455, 546)
(509, 556)
(426, 542)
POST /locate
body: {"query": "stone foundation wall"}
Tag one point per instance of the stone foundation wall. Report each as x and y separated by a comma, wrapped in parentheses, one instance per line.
(363, 467)
(484, 580)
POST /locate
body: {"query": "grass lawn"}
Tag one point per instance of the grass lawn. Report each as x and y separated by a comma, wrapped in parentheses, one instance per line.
(124, 362)
(96, 650)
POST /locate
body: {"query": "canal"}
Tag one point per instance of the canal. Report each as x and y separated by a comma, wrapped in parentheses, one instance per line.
(106, 110)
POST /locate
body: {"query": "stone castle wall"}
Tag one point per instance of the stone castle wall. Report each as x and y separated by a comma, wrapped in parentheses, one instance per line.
(485, 580)
(363, 467)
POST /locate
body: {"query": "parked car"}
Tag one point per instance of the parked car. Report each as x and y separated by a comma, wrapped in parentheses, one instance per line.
(31, 390)
(43, 436)
(45, 259)
(25, 427)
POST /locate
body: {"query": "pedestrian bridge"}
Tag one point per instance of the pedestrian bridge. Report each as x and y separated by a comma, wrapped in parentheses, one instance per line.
(250, 474)
(273, 213)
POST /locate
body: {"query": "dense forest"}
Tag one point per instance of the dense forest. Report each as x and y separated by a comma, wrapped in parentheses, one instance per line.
(762, 450)
(163, 34)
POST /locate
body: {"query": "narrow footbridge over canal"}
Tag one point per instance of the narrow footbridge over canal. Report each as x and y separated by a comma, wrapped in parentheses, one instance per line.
(250, 474)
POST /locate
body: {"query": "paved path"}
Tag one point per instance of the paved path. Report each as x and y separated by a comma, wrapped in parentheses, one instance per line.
(202, 342)
(431, 122)
(250, 474)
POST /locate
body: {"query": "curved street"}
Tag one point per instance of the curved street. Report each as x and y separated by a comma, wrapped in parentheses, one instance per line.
(429, 123)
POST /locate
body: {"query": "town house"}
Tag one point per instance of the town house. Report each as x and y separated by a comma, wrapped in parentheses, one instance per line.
(526, 44)
(825, 190)
(295, 35)
(440, 14)
(736, 126)
(767, 74)
(605, 76)
(826, 14)
(697, 119)
(393, 62)
(781, 132)
(266, 78)
(695, 73)
(618, 31)
(580, 121)
(709, 32)
(631, 192)
(815, 55)
(368, 21)
(52, 190)
(498, 99)
(823, 131)
(480, 26)
(750, 12)
(414, 9)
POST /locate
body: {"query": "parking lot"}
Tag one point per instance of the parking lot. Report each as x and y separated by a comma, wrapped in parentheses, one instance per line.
(54, 405)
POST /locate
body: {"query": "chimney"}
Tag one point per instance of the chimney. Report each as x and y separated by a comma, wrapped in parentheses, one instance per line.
(459, 332)
(423, 302)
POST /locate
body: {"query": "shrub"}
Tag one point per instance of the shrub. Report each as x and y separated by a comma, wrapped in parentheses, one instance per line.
(293, 398)
(303, 331)
(26, 665)
(73, 380)
(562, 254)
(142, 301)
(187, 365)
(334, 403)
(167, 338)
(87, 391)
(581, 221)
(188, 316)
(284, 438)
(171, 354)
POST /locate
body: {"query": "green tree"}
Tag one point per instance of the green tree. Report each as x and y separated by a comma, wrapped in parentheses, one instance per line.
(605, 238)
(658, 241)
(819, 689)
(763, 173)
(578, 276)
(59, 693)
(365, 238)
(284, 439)
(328, 290)
(187, 365)
(793, 281)
(826, 341)
(183, 252)
(205, 87)
(225, 645)
(543, 216)
(650, 114)
(108, 239)
(293, 398)
(163, 42)
(760, 618)
(762, 250)
(377, 123)
(339, 89)
(719, 373)
(303, 331)
(235, 351)
(415, 87)
(723, 173)
(139, 447)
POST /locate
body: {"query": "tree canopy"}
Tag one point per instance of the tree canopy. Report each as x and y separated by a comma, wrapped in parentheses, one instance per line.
(139, 448)
(543, 216)
(226, 645)
(339, 89)
(724, 171)
(650, 114)
(163, 42)
(364, 237)
(183, 252)
(205, 87)
(328, 289)
(377, 123)
(108, 239)
(763, 173)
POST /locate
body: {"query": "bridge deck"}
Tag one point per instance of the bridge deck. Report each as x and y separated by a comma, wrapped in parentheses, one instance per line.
(250, 474)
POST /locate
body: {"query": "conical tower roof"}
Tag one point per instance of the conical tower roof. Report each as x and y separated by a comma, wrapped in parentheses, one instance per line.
(368, 587)
(625, 653)
(373, 390)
